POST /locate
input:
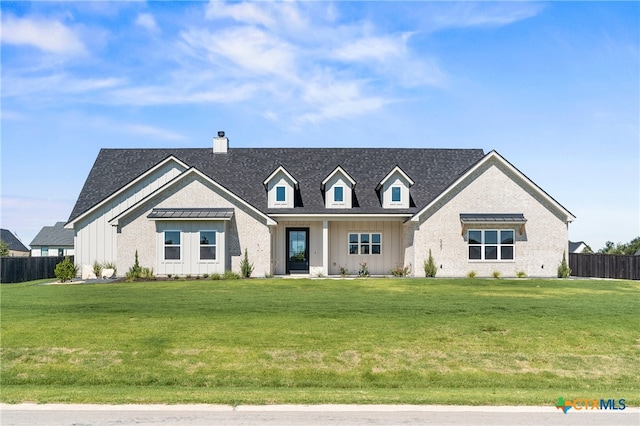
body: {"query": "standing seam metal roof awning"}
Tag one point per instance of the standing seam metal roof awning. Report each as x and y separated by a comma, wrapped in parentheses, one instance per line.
(492, 218)
(191, 214)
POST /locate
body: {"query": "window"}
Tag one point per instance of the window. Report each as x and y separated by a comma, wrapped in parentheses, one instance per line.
(491, 244)
(172, 245)
(44, 251)
(281, 193)
(338, 194)
(395, 194)
(365, 243)
(60, 252)
(207, 245)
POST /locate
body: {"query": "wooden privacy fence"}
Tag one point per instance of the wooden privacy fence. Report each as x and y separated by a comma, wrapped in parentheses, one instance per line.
(20, 269)
(605, 266)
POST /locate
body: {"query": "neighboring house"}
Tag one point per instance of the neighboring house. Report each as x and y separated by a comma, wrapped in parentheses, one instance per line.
(316, 211)
(16, 248)
(53, 240)
(577, 247)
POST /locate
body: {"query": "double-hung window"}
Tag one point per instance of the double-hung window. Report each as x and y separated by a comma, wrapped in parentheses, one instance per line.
(362, 243)
(207, 245)
(491, 244)
(171, 245)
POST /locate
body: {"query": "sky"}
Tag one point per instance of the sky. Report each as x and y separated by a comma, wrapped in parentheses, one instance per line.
(554, 87)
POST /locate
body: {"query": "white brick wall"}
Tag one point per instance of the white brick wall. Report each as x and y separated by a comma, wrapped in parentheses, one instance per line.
(491, 189)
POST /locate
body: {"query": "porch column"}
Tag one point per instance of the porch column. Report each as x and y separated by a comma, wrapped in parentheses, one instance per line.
(325, 247)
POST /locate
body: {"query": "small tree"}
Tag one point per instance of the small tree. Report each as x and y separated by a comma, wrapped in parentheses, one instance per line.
(430, 267)
(135, 271)
(65, 270)
(4, 249)
(563, 270)
(246, 268)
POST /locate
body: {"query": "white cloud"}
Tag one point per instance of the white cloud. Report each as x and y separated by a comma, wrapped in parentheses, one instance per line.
(468, 14)
(55, 85)
(146, 21)
(371, 48)
(47, 35)
(272, 15)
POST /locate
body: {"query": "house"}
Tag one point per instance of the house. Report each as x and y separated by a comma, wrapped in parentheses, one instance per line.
(577, 246)
(316, 211)
(53, 240)
(16, 248)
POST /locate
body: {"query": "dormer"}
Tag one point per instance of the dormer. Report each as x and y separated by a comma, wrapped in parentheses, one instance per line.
(338, 189)
(394, 189)
(281, 187)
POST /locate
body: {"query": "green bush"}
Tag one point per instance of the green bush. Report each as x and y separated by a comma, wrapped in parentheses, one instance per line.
(97, 269)
(497, 274)
(246, 268)
(521, 274)
(230, 275)
(430, 268)
(472, 274)
(65, 270)
(401, 271)
(563, 270)
(215, 276)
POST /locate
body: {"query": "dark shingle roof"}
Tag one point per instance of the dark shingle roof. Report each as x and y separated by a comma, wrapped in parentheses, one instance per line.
(53, 236)
(12, 241)
(243, 170)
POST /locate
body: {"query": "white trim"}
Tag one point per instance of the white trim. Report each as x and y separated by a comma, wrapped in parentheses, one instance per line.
(114, 221)
(388, 176)
(494, 155)
(70, 224)
(286, 173)
(344, 173)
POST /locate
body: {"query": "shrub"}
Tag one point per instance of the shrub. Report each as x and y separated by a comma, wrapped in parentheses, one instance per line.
(497, 274)
(246, 268)
(205, 276)
(472, 274)
(364, 270)
(4, 249)
(563, 270)
(147, 274)
(215, 276)
(97, 269)
(230, 275)
(401, 271)
(188, 276)
(65, 270)
(430, 267)
(344, 272)
(521, 274)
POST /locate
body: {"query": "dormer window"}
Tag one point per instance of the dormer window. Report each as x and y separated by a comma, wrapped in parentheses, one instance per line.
(338, 189)
(281, 187)
(394, 189)
(396, 194)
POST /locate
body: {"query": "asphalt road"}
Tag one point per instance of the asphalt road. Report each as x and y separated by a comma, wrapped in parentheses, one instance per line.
(347, 415)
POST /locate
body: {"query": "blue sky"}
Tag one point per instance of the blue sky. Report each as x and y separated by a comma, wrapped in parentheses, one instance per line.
(554, 87)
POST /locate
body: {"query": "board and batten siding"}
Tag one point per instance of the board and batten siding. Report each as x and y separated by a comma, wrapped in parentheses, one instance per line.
(95, 238)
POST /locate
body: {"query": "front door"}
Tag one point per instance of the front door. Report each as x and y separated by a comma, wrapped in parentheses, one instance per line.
(297, 250)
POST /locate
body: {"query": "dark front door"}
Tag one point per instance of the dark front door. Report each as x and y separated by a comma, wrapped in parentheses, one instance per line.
(297, 250)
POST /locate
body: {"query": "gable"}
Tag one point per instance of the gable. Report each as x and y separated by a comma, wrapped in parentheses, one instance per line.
(498, 186)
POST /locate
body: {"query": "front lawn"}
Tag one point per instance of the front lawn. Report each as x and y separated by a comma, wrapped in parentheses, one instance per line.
(258, 341)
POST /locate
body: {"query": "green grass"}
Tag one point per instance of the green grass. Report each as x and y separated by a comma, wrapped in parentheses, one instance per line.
(259, 341)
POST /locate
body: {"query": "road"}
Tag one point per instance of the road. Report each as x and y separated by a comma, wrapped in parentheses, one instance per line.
(344, 415)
